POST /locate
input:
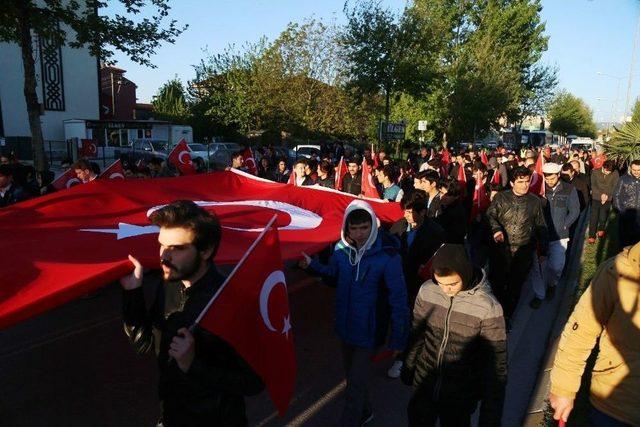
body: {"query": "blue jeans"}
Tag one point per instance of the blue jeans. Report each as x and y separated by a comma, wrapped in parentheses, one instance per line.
(600, 419)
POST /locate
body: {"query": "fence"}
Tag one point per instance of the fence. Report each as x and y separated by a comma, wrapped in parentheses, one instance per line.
(54, 151)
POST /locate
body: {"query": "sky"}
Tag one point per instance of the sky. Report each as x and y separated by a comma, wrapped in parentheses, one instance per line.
(586, 37)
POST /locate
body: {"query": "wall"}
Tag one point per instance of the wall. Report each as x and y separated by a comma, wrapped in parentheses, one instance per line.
(80, 81)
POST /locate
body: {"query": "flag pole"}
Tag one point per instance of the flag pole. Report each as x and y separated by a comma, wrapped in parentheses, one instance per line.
(238, 265)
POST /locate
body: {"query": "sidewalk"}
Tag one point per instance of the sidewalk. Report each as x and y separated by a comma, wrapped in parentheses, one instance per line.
(527, 385)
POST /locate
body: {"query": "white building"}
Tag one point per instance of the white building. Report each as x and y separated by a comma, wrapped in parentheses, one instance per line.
(67, 87)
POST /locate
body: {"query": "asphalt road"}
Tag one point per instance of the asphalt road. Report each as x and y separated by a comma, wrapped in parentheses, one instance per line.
(73, 367)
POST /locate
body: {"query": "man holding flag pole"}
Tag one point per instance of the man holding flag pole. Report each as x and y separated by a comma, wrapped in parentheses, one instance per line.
(208, 332)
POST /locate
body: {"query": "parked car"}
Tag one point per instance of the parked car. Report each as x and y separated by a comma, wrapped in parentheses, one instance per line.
(307, 151)
(144, 150)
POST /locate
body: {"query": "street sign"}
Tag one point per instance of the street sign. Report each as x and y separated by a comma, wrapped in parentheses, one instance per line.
(392, 131)
(422, 125)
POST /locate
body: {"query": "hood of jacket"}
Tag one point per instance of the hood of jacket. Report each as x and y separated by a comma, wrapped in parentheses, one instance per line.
(356, 254)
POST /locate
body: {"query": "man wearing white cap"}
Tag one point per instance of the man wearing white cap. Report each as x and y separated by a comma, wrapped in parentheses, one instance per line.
(561, 210)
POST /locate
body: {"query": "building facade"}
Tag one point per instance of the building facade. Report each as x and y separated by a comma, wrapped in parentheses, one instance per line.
(67, 87)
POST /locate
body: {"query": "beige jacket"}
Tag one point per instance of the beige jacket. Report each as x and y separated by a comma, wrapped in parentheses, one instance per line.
(609, 310)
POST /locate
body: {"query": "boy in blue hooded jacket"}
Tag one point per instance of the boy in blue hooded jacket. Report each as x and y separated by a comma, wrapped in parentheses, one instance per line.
(365, 266)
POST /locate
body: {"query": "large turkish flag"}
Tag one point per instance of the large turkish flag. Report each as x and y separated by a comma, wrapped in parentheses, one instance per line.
(251, 312)
(63, 245)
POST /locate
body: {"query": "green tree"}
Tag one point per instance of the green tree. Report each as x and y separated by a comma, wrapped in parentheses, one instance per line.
(624, 145)
(385, 52)
(570, 115)
(77, 24)
(170, 102)
(488, 67)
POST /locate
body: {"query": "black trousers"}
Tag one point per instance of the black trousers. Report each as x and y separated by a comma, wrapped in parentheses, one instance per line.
(509, 267)
(628, 228)
(423, 412)
(599, 215)
(357, 365)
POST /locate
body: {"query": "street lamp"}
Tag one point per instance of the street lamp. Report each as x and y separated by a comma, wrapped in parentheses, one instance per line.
(614, 104)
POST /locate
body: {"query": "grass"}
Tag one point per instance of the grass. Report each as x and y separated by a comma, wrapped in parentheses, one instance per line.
(592, 256)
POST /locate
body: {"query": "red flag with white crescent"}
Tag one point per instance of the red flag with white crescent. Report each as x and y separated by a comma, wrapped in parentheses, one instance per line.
(249, 161)
(45, 261)
(341, 171)
(536, 186)
(88, 148)
(368, 187)
(66, 180)
(114, 171)
(180, 157)
(251, 312)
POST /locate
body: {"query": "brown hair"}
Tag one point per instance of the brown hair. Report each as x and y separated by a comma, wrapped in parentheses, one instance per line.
(186, 214)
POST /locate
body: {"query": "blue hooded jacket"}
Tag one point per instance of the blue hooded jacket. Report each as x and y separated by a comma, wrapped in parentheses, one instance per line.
(360, 275)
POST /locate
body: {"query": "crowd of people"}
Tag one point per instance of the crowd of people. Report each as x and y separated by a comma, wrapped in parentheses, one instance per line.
(446, 279)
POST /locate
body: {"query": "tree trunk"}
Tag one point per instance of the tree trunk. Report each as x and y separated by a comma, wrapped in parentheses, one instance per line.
(30, 96)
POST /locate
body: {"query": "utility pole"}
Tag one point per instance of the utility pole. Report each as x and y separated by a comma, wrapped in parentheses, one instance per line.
(633, 60)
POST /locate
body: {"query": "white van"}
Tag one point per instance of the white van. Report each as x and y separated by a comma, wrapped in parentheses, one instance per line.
(583, 144)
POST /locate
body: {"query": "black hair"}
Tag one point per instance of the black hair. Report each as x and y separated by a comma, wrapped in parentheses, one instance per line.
(451, 185)
(416, 200)
(429, 175)
(358, 216)
(635, 162)
(302, 160)
(6, 170)
(326, 167)
(609, 165)
(82, 164)
(520, 172)
(390, 172)
(186, 214)
(568, 167)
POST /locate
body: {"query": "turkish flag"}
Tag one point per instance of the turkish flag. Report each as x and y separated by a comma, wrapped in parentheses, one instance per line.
(536, 186)
(251, 312)
(481, 201)
(462, 181)
(598, 161)
(368, 187)
(180, 157)
(66, 244)
(114, 171)
(249, 161)
(446, 157)
(483, 158)
(496, 178)
(341, 170)
(292, 178)
(66, 180)
(88, 148)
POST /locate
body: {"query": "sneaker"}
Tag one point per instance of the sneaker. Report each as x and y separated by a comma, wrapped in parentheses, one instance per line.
(551, 291)
(367, 419)
(535, 303)
(591, 240)
(600, 234)
(395, 369)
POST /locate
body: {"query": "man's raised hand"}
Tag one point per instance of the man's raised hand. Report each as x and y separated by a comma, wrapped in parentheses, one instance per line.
(133, 280)
(305, 261)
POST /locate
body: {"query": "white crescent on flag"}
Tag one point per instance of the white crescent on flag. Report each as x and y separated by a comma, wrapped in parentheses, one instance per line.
(182, 153)
(116, 175)
(274, 279)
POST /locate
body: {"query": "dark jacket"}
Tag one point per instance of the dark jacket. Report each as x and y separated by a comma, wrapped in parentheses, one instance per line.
(14, 194)
(457, 351)
(453, 218)
(433, 206)
(328, 182)
(352, 185)
(282, 177)
(626, 196)
(603, 184)
(581, 184)
(211, 392)
(520, 218)
(561, 209)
